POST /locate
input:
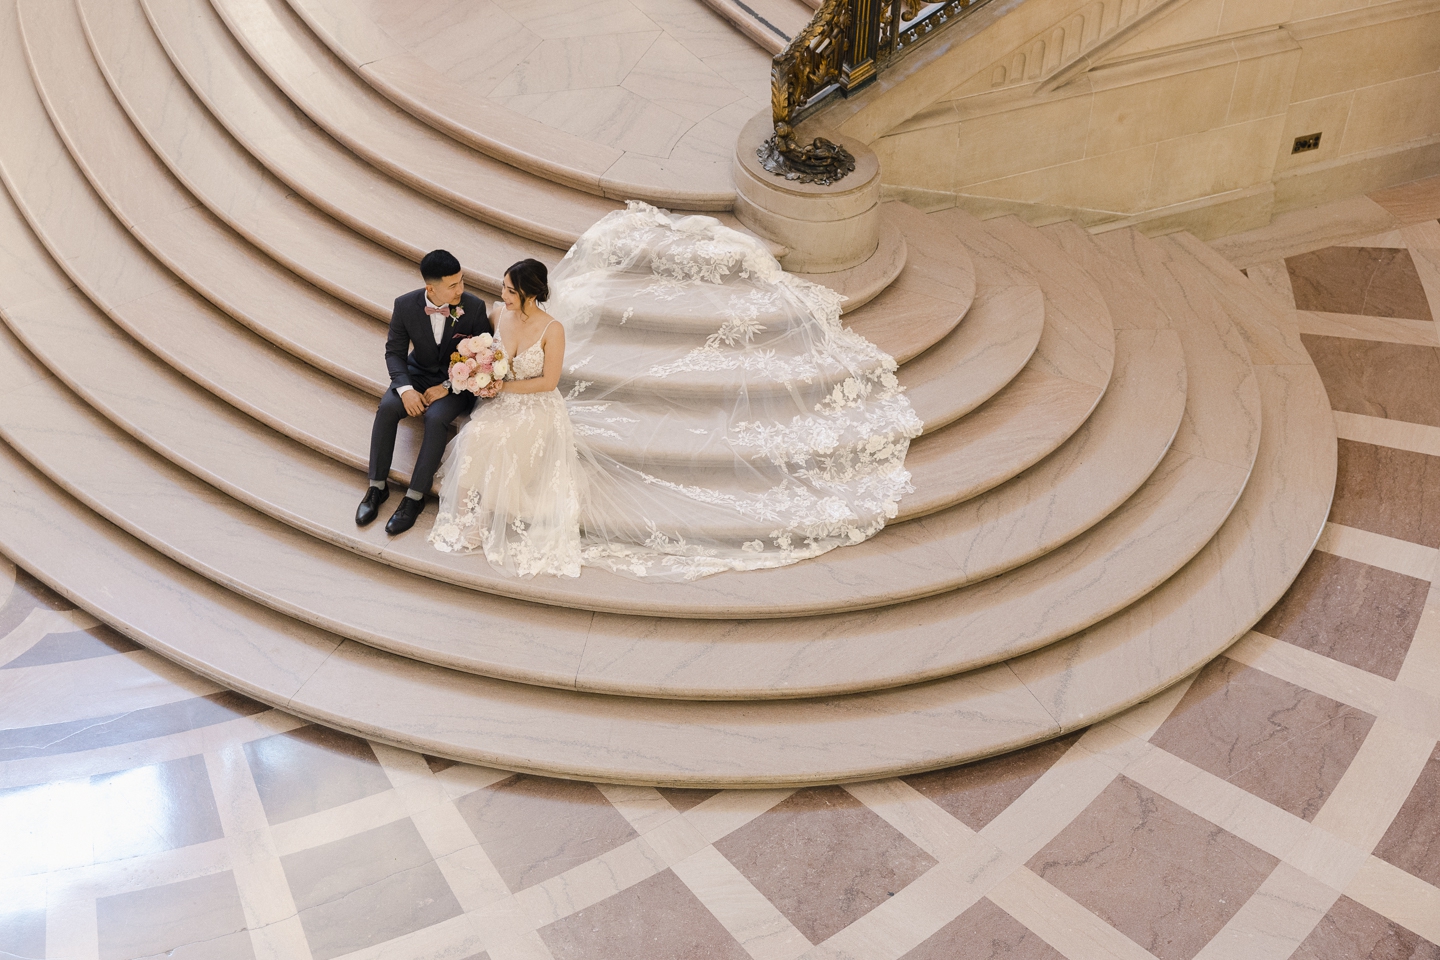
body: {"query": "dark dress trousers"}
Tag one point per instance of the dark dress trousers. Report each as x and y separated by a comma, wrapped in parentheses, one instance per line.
(415, 359)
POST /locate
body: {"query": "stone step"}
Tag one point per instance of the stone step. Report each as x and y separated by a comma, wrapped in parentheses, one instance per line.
(162, 497)
(299, 237)
(199, 247)
(1127, 554)
(232, 544)
(925, 300)
(1275, 342)
(182, 135)
(150, 304)
(1214, 345)
(410, 82)
(268, 112)
(1121, 661)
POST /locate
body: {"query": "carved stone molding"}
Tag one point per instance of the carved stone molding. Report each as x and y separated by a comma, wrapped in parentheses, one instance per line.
(1067, 48)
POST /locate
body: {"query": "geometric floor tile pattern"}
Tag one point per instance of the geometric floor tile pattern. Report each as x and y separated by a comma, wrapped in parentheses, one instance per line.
(1166, 878)
(1279, 804)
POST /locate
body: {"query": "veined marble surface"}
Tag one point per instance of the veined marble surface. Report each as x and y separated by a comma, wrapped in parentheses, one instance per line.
(652, 94)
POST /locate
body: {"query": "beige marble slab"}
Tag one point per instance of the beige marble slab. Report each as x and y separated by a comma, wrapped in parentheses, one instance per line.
(1079, 338)
(222, 266)
(1298, 231)
(191, 334)
(520, 140)
(379, 132)
(1270, 334)
(1114, 564)
(1222, 383)
(1132, 306)
(186, 330)
(140, 585)
(1424, 242)
(1400, 434)
(1377, 550)
(218, 537)
(365, 48)
(19, 368)
(1393, 893)
(290, 230)
(994, 343)
(1214, 600)
(695, 742)
(1386, 238)
(1273, 279)
(1421, 333)
(1015, 429)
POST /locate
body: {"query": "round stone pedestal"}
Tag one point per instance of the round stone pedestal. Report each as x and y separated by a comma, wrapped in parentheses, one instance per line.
(826, 229)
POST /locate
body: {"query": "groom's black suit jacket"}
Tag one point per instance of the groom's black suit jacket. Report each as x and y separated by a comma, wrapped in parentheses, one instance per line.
(428, 362)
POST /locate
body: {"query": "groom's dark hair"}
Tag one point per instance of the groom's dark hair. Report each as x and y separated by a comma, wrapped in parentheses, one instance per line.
(439, 264)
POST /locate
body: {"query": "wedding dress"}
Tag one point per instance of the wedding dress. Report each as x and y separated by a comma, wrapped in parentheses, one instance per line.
(720, 417)
(507, 487)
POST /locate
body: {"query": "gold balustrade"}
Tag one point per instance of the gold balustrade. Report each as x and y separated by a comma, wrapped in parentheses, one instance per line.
(845, 46)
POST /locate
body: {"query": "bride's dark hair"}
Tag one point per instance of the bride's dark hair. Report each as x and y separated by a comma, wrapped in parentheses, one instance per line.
(530, 279)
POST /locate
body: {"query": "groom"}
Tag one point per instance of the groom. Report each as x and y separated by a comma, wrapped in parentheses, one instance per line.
(428, 323)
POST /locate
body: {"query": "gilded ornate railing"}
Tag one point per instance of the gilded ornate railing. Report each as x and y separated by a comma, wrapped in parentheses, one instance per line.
(844, 47)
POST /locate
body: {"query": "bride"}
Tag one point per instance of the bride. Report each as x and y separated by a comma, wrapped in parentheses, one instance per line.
(508, 483)
(716, 415)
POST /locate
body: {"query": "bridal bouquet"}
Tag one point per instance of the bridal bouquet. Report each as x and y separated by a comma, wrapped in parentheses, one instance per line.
(478, 366)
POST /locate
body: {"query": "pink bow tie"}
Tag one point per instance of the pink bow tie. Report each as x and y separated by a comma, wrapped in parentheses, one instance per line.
(434, 310)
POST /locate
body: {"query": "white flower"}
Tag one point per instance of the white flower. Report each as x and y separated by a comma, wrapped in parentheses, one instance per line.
(482, 379)
(501, 367)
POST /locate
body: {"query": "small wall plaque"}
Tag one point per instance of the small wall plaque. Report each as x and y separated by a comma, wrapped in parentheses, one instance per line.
(1311, 141)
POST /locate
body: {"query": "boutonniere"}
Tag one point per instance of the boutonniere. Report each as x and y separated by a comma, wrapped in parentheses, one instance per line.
(456, 312)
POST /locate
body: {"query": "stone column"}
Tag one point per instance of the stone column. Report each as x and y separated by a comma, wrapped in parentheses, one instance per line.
(826, 229)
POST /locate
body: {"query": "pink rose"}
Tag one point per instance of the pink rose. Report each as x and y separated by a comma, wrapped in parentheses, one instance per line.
(465, 349)
(487, 365)
(459, 371)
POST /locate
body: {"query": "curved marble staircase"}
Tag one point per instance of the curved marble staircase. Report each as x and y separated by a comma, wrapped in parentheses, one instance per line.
(1127, 455)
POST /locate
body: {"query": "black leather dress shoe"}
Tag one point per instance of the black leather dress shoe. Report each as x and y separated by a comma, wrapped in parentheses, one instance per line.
(405, 516)
(370, 507)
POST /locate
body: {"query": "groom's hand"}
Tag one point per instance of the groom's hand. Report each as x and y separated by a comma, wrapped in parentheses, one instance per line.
(435, 393)
(414, 403)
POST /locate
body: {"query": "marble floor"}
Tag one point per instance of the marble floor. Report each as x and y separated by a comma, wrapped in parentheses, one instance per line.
(1281, 803)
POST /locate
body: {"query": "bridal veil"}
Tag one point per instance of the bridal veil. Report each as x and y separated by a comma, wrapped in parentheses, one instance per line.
(724, 419)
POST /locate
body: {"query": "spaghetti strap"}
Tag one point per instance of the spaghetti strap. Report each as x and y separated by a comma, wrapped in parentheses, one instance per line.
(537, 339)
